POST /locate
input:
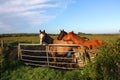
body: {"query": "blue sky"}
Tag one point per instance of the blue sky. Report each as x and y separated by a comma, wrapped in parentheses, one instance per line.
(88, 16)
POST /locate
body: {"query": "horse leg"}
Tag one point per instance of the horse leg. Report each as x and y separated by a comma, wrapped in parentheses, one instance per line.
(53, 53)
(53, 56)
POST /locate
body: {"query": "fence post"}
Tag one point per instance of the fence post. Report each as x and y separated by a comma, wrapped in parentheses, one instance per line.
(2, 44)
(19, 51)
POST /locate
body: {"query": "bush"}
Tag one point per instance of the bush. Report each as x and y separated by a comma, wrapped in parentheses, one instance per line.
(107, 62)
(105, 67)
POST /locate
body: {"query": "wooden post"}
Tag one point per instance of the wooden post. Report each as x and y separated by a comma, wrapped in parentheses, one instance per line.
(19, 51)
(1, 48)
(2, 44)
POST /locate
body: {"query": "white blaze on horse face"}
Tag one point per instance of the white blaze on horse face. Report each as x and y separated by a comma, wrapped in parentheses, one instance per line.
(41, 37)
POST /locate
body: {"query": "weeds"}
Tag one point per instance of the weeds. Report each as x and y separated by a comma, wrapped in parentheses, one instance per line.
(105, 67)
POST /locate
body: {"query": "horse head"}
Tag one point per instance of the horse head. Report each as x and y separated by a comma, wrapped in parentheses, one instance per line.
(61, 34)
(45, 38)
(42, 36)
(68, 37)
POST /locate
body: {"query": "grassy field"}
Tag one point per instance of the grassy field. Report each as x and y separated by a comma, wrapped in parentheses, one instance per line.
(105, 67)
(35, 39)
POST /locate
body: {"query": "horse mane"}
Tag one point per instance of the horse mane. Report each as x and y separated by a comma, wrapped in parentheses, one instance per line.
(65, 32)
(76, 36)
(48, 39)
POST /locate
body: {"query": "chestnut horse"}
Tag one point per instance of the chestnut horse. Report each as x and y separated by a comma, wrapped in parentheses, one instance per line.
(63, 33)
(89, 44)
(55, 50)
(71, 36)
(78, 50)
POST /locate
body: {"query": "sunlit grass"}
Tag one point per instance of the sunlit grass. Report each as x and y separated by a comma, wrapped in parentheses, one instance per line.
(31, 39)
(35, 39)
(105, 67)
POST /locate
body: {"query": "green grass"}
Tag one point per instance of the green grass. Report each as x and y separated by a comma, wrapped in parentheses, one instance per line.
(105, 67)
(29, 73)
(30, 39)
(35, 39)
(103, 37)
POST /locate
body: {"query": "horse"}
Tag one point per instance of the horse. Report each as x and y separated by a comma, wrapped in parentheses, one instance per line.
(63, 33)
(71, 36)
(55, 50)
(80, 52)
(89, 44)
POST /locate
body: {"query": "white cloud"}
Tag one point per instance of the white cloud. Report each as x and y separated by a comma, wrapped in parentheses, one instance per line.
(29, 12)
(15, 7)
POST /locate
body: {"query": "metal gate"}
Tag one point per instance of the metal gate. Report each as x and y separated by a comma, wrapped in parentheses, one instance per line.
(38, 55)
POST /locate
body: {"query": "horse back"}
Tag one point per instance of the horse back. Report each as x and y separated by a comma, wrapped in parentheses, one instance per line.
(62, 42)
(77, 39)
(62, 49)
(93, 43)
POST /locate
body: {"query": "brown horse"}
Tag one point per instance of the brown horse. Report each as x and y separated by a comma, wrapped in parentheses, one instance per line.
(71, 36)
(89, 44)
(80, 50)
(63, 33)
(55, 50)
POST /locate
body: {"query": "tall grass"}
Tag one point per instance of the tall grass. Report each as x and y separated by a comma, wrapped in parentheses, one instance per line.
(105, 67)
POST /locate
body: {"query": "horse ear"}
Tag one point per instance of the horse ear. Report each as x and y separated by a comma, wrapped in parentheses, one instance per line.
(44, 31)
(40, 31)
